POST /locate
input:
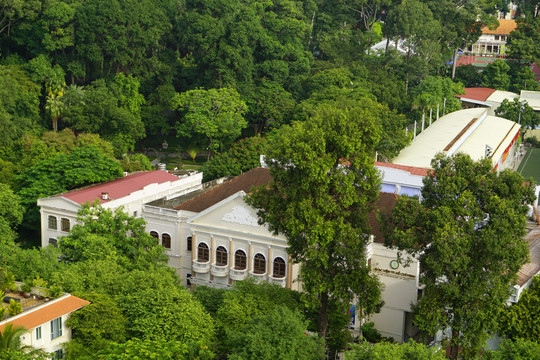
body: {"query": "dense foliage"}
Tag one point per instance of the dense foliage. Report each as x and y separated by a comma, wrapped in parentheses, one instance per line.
(321, 206)
(112, 77)
(467, 234)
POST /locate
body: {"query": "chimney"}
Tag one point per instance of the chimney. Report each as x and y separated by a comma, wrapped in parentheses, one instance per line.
(104, 196)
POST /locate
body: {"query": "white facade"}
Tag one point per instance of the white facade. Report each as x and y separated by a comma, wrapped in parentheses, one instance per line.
(401, 288)
(230, 226)
(62, 211)
(401, 180)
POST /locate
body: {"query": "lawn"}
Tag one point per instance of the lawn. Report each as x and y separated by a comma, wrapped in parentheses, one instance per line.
(530, 165)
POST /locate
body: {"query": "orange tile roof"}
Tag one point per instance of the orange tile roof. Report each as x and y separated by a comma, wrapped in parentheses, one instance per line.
(505, 28)
(47, 312)
(532, 268)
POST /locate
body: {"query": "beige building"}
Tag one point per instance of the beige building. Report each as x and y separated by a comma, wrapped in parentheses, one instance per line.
(45, 322)
(59, 212)
(216, 239)
(492, 42)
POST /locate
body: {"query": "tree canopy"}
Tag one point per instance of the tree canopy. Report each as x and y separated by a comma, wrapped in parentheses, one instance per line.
(217, 114)
(324, 185)
(467, 234)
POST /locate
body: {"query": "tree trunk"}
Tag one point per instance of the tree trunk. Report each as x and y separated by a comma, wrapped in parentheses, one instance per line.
(454, 63)
(322, 323)
(454, 347)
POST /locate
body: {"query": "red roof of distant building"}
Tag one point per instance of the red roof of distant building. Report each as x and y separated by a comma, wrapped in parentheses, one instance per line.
(120, 187)
(47, 312)
(505, 28)
(411, 169)
(479, 94)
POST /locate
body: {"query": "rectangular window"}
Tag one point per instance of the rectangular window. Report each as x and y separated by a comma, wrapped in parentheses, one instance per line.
(58, 354)
(189, 243)
(38, 333)
(496, 37)
(56, 328)
(52, 223)
(65, 224)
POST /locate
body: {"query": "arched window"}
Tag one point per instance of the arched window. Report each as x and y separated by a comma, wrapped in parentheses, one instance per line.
(259, 264)
(166, 241)
(221, 256)
(154, 234)
(64, 223)
(52, 223)
(240, 260)
(279, 268)
(189, 243)
(203, 253)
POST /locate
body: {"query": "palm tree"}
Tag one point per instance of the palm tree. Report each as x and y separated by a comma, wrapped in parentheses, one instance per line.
(10, 338)
(55, 104)
(423, 101)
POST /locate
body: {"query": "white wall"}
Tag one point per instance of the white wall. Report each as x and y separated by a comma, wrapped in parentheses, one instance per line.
(399, 293)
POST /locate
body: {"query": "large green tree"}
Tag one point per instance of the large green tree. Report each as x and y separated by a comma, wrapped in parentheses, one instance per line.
(412, 22)
(524, 41)
(110, 110)
(278, 334)
(324, 185)
(111, 234)
(217, 114)
(496, 75)
(518, 112)
(467, 234)
(83, 166)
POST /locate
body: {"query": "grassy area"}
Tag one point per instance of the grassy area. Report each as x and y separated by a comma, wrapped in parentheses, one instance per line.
(530, 165)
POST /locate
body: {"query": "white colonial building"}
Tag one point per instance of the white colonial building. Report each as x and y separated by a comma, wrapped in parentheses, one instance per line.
(59, 212)
(215, 239)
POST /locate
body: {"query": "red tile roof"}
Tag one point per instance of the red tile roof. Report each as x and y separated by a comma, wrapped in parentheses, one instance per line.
(244, 182)
(532, 268)
(47, 312)
(505, 28)
(120, 187)
(413, 170)
(479, 94)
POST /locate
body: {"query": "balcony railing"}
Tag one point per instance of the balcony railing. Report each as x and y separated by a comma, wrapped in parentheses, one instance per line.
(237, 275)
(278, 281)
(218, 270)
(258, 277)
(201, 267)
